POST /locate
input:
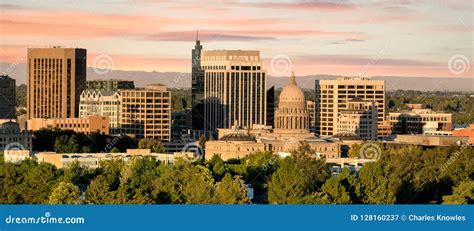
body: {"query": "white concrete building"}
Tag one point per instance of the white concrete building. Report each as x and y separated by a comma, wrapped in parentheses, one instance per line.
(103, 103)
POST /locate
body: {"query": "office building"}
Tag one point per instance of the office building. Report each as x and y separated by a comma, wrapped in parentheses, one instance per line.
(234, 89)
(271, 107)
(146, 113)
(359, 119)
(331, 96)
(197, 89)
(7, 97)
(181, 125)
(413, 121)
(103, 103)
(88, 125)
(109, 84)
(56, 79)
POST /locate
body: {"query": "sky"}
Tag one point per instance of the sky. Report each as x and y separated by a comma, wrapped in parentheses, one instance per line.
(432, 38)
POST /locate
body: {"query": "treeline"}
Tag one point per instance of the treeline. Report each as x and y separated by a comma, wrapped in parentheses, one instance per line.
(406, 175)
(68, 141)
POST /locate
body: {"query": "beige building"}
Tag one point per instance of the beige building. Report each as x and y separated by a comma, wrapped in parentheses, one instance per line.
(412, 122)
(56, 78)
(88, 125)
(12, 138)
(331, 96)
(291, 130)
(234, 89)
(103, 103)
(93, 160)
(359, 118)
(430, 140)
(147, 112)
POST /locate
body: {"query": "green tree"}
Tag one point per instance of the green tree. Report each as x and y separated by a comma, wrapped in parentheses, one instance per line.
(336, 191)
(66, 144)
(375, 186)
(38, 183)
(98, 191)
(462, 194)
(155, 145)
(231, 191)
(65, 193)
(198, 188)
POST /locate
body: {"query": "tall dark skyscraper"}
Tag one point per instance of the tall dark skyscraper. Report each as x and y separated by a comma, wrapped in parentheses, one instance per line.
(7, 97)
(197, 88)
(271, 106)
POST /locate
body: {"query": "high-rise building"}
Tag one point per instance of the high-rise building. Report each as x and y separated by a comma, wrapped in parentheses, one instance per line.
(146, 113)
(331, 96)
(110, 84)
(234, 89)
(103, 103)
(271, 106)
(56, 79)
(197, 89)
(7, 97)
(181, 122)
(359, 118)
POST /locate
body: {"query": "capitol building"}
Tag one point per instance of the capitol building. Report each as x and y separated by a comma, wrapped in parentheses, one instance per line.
(291, 130)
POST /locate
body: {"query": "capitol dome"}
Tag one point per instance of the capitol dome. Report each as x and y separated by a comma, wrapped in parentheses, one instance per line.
(292, 116)
(292, 95)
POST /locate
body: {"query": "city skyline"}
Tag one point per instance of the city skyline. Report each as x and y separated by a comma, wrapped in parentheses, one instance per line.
(365, 38)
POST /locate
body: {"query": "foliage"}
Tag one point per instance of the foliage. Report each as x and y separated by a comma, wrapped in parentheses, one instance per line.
(462, 194)
(406, 174)
(155, 145)
(231, 191)
(65, 193)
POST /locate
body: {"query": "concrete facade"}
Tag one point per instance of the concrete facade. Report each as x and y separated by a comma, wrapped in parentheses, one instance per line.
(234, 89)
(331, 96)
(88, 125)
(56, 79)
(146, 113)
(359, 118)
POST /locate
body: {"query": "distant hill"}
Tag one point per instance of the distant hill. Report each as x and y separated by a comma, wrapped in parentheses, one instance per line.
(183, 80)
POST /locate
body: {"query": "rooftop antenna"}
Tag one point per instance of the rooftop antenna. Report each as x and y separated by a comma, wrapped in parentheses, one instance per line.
(197, 34)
